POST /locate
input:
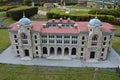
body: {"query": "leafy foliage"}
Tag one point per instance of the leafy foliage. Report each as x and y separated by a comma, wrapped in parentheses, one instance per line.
(81, 17)
(17, 13)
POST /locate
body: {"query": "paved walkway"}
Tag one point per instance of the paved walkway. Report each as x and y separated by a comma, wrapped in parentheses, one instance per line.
(8, 57)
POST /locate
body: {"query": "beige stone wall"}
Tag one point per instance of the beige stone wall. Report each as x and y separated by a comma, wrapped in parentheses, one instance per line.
(83, 46)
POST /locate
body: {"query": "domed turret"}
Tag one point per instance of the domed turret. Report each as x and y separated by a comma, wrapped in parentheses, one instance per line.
(24, 22)
(95, 23)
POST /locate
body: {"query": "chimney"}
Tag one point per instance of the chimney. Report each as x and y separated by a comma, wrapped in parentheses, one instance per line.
(59, 25)
(53, 20)
(44, 25)
(75, 25)
(68, 19)
(61, 19)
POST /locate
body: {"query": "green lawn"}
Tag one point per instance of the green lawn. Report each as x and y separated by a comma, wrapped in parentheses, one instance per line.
(36, 73)
(116, 40)
(117, 31)
(4, 39)
(116, 44)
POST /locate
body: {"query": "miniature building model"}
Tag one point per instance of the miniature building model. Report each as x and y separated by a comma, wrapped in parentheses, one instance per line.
(63, 39)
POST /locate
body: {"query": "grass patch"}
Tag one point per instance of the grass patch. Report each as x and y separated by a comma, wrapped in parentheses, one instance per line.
(117, 31)
(37, 73)
(8, 21)
(2, 15)
(116, 44)
(4, 39)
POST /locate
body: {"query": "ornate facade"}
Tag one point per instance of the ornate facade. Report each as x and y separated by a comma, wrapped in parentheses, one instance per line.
(61, 39)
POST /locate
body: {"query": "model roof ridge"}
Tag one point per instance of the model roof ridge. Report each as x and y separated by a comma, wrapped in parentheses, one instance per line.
(61, 20)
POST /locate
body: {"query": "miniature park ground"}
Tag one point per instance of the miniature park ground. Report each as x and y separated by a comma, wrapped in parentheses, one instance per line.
(20, 72)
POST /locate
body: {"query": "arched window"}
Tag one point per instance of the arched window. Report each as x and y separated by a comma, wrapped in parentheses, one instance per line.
(83, 38)
(73, 51)
(35, 37)
(52, 51)
(59, 51)
(66, 51)
(95, 37)
(24, 36)
(44, 50)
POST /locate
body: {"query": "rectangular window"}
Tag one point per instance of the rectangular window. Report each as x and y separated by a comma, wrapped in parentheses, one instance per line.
(82, 43)
(110, 36)
(66, 36)
(103, 49)
(51, 41)
(18, 52)
(35, 36)
(66, 41)
(54, 25)
(74, 41)
(82, 49)
(51, 36)
(101, 54)
(83, 37)
(16, 47)
(44, 36)
(15, 36)
(44, 41)
(81, 54)
(105, 38)
(24, 41)
(36, 48)
(104, 43)
(94, 43)
(59, 36)
(35, 42)
(59, 41)
(74, 37)
(16, 41)
(36, 52)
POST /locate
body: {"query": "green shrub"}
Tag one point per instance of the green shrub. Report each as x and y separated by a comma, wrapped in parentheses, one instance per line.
(71, 3)
(86, 17)
(17, 13)
(112, 12)
(6, 8)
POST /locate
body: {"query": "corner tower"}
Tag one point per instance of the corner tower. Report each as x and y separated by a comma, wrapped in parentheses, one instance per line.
(94, 39)
(24, 38)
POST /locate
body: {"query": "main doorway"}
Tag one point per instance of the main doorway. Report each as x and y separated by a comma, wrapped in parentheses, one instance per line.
(92, 54)
(26, 52)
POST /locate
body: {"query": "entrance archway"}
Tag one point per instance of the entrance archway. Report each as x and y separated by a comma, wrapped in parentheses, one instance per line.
(66, 51)
(26, 52)
(73, 51)
(92, 54)
(52, 51)
(59, 51)
(44, 50)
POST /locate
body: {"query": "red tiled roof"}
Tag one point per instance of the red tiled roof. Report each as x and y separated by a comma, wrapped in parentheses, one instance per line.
(82, 27)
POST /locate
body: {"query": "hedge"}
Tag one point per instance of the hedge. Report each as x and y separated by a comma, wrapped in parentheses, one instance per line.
(6, 8)
(17, 13)
(86, 17)
(112, 12)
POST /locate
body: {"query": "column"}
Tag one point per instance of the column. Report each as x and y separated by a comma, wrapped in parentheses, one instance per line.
(48, 51)
(70, 52)
(55, 51)
(62, 51)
